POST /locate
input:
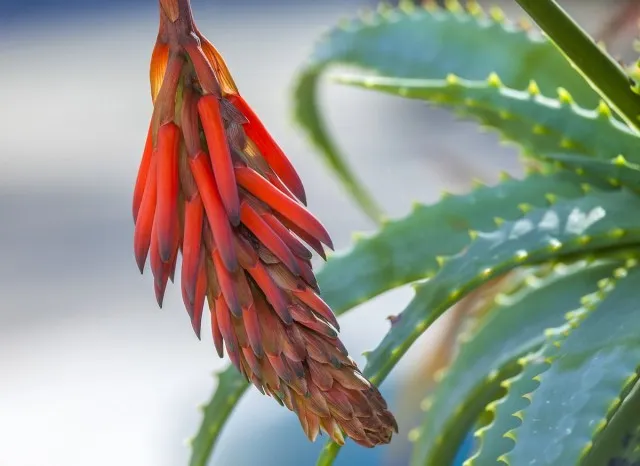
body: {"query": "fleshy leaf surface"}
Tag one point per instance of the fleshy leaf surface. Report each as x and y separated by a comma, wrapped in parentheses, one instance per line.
(585, 384)
(513, 329)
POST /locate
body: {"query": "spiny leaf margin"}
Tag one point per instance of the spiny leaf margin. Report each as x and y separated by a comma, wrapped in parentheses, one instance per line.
(371, 42)
(511, 331)
(497, 438)
(411, 248)
(540, 125)
(601, 359)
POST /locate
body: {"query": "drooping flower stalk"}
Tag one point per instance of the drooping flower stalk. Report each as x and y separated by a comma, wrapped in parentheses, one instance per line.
(216, 188)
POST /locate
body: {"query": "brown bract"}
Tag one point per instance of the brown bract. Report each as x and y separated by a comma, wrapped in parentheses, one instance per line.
(216, 188)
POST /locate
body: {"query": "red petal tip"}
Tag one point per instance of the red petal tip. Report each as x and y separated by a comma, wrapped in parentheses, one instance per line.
(269, 194)
(269, 149)
(218, 219)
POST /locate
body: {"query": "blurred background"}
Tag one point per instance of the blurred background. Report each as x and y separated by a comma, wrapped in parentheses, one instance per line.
(91, 372)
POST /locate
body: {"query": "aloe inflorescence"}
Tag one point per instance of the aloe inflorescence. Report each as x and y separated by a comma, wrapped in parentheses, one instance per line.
(214, 187)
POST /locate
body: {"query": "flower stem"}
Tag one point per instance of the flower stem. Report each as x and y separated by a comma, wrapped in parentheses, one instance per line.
(176, 21)
(604, 74)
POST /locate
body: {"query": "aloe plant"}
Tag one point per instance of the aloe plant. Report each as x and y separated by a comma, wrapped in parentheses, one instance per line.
(549, 373)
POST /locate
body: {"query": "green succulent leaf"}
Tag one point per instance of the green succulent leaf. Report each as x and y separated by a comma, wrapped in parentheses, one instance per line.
(540, 125)
(513, 329)
(410, 248)
(586, 382)
(598, 221)
(619, 443)
(618, 171)
(601, 70)
(497, 438)
(429, 42)
(595, 222)
(494, 439)
(231, 387)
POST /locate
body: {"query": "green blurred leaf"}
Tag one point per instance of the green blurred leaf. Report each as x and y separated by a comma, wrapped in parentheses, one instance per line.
(595, 222)
(497, 438)
(406, 250)
(618, 171)
(620, 439)
(231, 387)
(416, 42)
(594, 371)
(514, 328)
(540, 125)
(493, 439)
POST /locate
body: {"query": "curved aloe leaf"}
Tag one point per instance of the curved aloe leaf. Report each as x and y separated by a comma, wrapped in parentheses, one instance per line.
(597, 221)
(497, 438)
(514, 328)
(493, 439)
(586, 382)
(409, 249)
(620, 440)
(617, 171)
(231, 387)
(581, 226)
(416, 42)
(540, 125)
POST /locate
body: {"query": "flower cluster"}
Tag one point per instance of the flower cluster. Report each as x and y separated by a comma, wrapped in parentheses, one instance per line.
(216, 188)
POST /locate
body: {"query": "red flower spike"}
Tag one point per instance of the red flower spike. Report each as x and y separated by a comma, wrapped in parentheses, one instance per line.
(230, 204)
(144, 224)
(270, 149)
(191, 247)
(216, 216)
(209, 110)
(167, 202)
(312, 242)
(252, 220)
(198, 304)
(227, 285)
(316, 303)
(160, 270)
(292, 243)
(261, 188)
(218, 341)
(143, 172)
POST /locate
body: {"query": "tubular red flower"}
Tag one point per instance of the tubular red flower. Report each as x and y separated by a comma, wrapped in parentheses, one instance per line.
(232, 204)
